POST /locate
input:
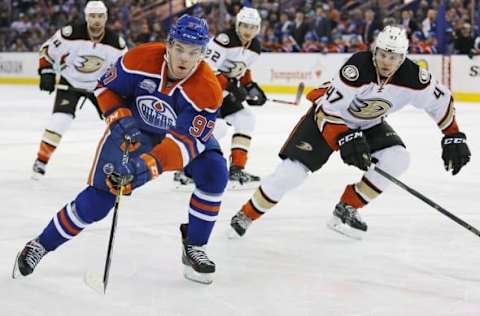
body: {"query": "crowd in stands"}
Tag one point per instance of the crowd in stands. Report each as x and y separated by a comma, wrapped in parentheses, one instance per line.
(327, 26)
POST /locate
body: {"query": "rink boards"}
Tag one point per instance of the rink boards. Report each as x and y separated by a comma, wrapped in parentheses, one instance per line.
(282, 72)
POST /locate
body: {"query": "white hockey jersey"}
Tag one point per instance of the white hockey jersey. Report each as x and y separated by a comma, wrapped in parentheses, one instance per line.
(80, 60)
(356, 98)
(228, 57)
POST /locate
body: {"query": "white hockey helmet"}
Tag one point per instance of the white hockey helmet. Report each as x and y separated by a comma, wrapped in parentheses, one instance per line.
(392, 39)
(248, 16)
(95, 7)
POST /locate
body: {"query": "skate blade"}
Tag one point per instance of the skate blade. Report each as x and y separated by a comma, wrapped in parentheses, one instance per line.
(336, 225)
(94, 281)
(232, 234)
(237, 186)
(36, 176)
(16, 274)
(184, 187)
(192, 275)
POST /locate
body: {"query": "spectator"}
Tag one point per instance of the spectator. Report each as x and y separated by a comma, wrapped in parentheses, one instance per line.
(271, 42)
(311, 43)
(464, 41)
(408, 23)
(321, 23)
(371, 25)
(429, 24)
(145, 34)
(300, 28)
(21, 25)
(34, 20)
(289, 45)
(285, 25)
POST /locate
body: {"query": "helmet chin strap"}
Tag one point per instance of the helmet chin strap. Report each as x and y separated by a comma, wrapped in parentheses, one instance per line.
(387, 80)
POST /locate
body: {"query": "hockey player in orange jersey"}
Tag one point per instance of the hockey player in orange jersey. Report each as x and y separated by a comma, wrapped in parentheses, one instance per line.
(165, 100)
(231, 54)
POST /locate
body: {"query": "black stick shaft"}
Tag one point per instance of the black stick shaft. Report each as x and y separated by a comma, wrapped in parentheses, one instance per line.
(428, 201)
(298, 96)
(111, 240)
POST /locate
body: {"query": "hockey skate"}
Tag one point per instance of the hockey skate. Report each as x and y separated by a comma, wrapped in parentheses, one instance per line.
(347, 221)
(39, 169)
(241, 180)
(183, 182)
(239, 225)
(28, 258)
(198, 267)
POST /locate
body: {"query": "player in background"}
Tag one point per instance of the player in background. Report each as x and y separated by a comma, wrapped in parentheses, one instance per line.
(82, 53)
(165, 99)
(231, 53)
(349, 115)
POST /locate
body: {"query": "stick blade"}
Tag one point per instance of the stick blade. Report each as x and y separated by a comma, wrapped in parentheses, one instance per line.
(95, 282)
(298, 96)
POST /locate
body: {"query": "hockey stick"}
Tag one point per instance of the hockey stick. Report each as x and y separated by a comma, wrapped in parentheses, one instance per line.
(93, 280)
(85, 92)
(65, 87)
(428, 201)
(298, 96)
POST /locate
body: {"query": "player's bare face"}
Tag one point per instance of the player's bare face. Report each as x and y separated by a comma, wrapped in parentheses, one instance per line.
(387, 62)
(183, 57)
(96, 23)
(246, 32)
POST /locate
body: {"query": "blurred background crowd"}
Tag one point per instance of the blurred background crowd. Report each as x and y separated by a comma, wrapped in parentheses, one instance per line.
(327, 26)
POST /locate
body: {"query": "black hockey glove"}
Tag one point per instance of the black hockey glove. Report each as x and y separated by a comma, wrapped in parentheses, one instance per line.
(47, 79)
(455, 152)
(354, 149)
(238, 92)
(256, 96)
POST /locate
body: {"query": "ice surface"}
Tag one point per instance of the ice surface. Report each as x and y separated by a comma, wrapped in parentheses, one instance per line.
(413, 261)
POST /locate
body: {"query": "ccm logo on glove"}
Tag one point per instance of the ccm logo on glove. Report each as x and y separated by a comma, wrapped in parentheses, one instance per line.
(350, 137)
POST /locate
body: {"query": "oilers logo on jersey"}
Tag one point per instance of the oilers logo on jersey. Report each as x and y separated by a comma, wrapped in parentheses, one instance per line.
(156, 112)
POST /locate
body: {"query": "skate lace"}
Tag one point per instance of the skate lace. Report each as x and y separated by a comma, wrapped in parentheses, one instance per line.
(34, 254)
(242, 220)
(353, 213)
(182, 178)
(198, 254)
(38, 166)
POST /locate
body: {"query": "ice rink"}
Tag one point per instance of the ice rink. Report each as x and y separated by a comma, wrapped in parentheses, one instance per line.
(413, 260)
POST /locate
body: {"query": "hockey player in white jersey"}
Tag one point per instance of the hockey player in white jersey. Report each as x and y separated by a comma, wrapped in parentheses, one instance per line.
(348, 115)
(230, 54)
(81, 53)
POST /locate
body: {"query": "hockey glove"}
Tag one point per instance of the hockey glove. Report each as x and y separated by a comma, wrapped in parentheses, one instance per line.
(256, 96)
(122, 126)
(47, 79)
(354, 149)
(455, 152)
(135, 173)
(238, 92)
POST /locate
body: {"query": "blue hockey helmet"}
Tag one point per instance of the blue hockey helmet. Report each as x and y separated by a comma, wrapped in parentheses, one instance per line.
(189, 30)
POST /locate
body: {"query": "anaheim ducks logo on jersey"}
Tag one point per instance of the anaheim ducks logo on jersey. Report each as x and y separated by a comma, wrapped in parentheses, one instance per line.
(156, 112)
(88, 63)
(233, 69)
(368, 109)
